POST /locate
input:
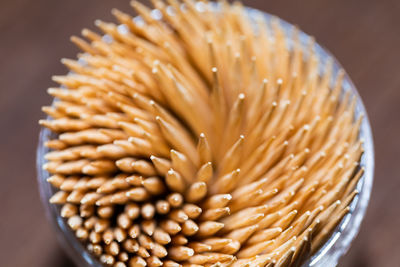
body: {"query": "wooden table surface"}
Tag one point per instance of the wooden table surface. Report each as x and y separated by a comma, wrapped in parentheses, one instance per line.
(364, 35)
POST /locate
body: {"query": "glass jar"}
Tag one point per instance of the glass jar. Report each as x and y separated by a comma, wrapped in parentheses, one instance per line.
(327, 256)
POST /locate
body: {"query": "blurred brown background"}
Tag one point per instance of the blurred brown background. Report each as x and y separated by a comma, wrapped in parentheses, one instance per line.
(364, 36)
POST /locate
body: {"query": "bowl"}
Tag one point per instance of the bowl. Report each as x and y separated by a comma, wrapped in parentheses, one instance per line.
(327, 256)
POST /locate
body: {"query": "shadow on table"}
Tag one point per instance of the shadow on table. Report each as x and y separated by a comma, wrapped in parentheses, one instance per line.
(59, 258)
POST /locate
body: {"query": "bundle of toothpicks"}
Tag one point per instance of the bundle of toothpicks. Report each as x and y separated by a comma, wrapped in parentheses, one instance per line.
(194, 135)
